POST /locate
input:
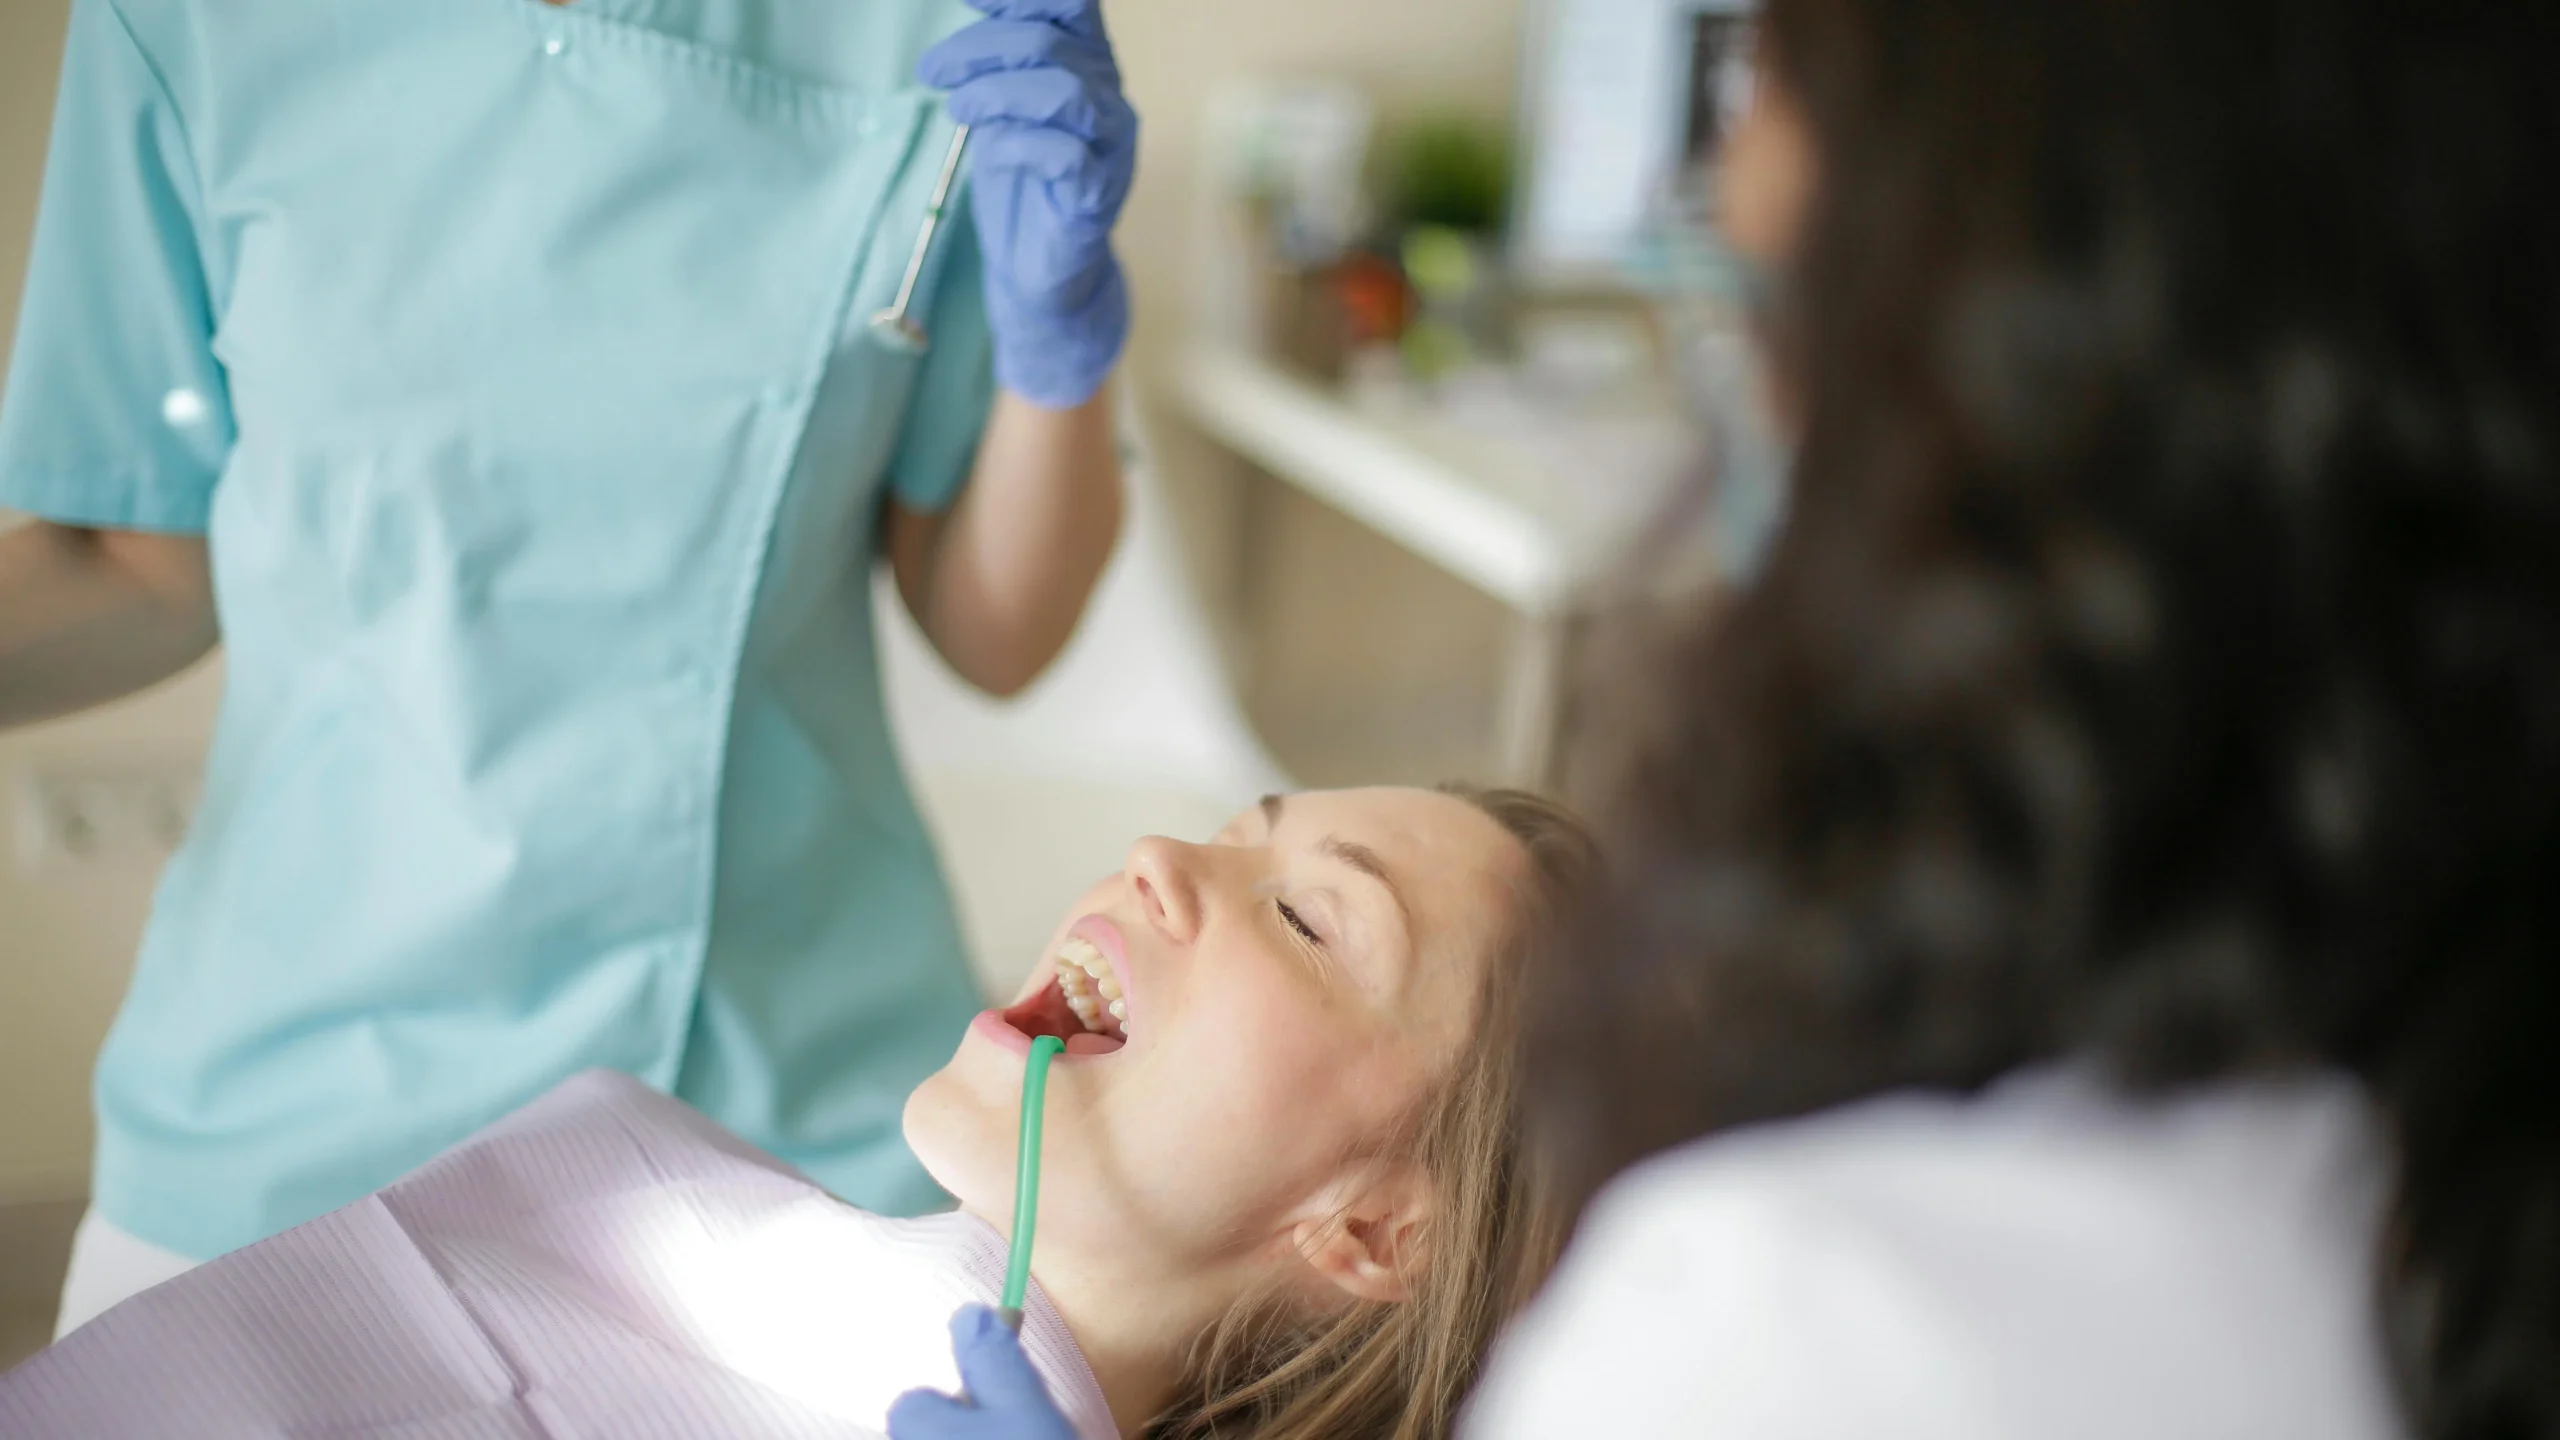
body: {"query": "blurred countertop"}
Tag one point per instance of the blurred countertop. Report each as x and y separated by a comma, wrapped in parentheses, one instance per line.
(1529, 498)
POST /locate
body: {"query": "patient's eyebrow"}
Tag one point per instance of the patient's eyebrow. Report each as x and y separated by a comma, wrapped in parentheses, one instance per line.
(1271, 811)
(1365, 860)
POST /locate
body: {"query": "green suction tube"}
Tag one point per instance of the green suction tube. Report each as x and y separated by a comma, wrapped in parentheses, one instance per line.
(1026, 1185)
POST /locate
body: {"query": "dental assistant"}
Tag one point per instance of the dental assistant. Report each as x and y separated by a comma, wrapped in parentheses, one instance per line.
(492, 379)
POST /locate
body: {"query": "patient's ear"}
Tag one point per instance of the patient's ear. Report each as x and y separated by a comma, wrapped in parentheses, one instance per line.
(1368, 1236)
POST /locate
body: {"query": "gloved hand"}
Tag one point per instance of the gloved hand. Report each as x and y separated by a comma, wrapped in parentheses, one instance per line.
(1006, 1399)
(1054, 145)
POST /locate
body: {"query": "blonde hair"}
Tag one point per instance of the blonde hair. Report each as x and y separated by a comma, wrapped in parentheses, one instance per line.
(1399, 1370)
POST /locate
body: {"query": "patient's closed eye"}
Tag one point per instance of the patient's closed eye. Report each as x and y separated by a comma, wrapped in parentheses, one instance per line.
(1298, 924)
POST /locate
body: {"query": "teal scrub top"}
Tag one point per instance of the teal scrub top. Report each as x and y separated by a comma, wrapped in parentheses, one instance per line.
(513, 360)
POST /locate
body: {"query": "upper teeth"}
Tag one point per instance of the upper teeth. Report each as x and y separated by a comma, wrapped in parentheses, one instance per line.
(1091, 987)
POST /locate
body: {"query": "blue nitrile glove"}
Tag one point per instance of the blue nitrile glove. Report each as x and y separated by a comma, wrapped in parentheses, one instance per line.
(1053, 145)
(1006, 1399)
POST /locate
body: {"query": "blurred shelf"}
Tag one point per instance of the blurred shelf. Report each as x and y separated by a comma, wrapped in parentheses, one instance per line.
(1531, 506)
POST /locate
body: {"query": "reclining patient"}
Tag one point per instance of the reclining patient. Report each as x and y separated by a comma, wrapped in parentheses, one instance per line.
(1281, 1194)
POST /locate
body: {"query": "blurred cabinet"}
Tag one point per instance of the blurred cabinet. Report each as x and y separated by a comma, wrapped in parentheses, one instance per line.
(1528, 506)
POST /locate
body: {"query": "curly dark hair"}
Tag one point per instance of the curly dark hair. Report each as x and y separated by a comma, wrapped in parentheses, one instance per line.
(2161, 662)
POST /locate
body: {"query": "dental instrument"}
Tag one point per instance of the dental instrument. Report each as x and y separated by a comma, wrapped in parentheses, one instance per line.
(1026, 1184)
(897, 326)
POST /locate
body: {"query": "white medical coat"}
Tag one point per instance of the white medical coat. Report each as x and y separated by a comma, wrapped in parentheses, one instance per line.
(2045, 1262)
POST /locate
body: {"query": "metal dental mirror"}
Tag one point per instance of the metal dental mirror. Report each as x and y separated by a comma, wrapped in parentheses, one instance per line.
(897, 327)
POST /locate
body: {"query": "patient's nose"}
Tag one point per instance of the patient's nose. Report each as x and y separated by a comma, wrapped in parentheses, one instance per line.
(1165, 873)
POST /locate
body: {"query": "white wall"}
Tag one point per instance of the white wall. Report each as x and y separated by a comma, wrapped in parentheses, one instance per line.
(1413, 55)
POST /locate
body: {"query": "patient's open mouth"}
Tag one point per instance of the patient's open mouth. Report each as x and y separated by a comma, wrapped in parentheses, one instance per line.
(1081, 1004)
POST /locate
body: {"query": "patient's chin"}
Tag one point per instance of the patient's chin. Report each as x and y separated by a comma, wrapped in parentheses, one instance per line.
(966, 1151)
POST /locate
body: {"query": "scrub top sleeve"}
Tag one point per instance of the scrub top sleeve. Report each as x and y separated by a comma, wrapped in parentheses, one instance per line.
(117, 415)
(955, 384)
